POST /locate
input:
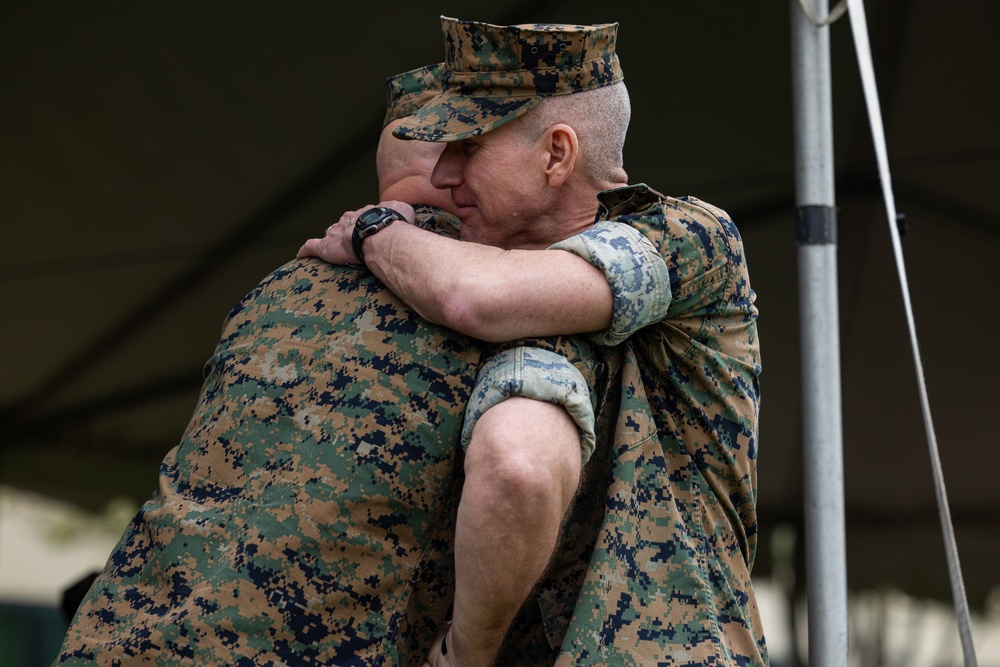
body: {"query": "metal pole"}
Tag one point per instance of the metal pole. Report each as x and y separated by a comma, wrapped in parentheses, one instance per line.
(826, 570)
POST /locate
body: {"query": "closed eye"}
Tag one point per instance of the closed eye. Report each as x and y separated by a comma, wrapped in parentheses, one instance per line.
(468, 146)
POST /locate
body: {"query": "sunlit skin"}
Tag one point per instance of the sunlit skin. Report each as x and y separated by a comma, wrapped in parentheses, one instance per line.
(509, 187)
(481, 172)
(402, 168)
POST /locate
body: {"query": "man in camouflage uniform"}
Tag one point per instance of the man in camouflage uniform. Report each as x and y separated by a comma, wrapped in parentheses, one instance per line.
(316, 474)
(669, 549)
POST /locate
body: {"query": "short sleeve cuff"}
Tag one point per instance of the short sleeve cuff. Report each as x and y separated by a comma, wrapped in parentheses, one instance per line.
(635, 270)
(537, 374)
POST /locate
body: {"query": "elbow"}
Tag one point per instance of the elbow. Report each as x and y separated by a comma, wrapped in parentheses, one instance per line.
(466, 316)
(472, 305)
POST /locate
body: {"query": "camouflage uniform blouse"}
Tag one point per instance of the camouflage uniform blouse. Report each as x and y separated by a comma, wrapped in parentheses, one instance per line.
(299, 505)
(656, 559)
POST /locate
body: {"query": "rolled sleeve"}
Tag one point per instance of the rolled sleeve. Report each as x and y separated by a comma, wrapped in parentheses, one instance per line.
(634, 269)
(536, 374)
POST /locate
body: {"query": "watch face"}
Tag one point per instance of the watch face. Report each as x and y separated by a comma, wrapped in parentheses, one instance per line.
(378, 217)
(370, 216)
(368, 223)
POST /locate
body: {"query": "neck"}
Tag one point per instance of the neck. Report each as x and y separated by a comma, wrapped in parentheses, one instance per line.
(570, 215)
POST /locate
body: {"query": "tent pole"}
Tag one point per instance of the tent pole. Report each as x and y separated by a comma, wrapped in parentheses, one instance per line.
(826, 570)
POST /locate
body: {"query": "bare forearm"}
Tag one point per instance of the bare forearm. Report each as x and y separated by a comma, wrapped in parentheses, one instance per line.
(432, 274)
(482, 291)
(522, 470)
(487, 292)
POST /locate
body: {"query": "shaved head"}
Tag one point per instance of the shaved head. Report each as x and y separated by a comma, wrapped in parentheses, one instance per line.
(404, 170)
(600, 118)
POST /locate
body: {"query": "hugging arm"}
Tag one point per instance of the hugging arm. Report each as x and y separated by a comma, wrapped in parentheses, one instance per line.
(608, 278)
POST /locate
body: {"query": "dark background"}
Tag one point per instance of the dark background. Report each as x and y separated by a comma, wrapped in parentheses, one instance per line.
(157, 159)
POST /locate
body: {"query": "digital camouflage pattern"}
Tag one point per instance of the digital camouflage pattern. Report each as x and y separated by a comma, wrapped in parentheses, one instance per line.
(654, 563)
(494, 74)
(640, 288)
(640, 284)
(507, 373)
(406, 92)
(662, 539)
(653, 568)
(302, 501)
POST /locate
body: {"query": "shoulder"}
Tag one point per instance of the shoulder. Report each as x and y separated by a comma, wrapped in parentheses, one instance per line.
(694, 237)
(437, 220)
(311, 294)
(660, 216)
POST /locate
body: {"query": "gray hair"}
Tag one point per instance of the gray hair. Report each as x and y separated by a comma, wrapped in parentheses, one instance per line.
(600, 118)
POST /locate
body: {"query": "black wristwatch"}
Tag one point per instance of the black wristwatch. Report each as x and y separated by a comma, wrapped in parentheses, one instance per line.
(369, 222)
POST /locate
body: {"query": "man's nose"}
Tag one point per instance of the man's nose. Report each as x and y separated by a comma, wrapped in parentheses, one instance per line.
(448, 170)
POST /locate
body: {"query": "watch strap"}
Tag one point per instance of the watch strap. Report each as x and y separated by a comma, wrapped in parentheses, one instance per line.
(370, 222)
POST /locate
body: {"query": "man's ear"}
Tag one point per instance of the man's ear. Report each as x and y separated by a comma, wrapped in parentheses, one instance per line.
(563, 149)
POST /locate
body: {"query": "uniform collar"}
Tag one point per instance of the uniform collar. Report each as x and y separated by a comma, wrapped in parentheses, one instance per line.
(626, 199)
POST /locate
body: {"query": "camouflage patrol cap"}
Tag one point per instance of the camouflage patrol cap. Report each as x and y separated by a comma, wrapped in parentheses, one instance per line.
(494, 74)
(404, 93)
